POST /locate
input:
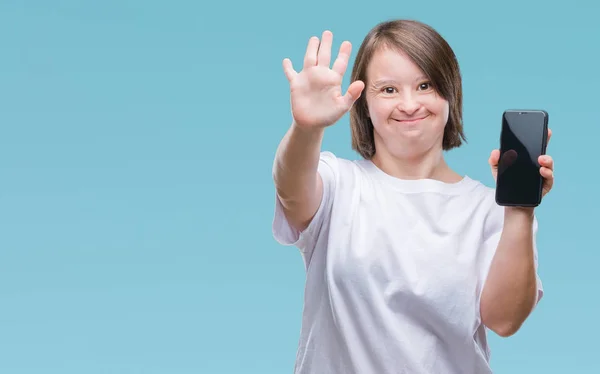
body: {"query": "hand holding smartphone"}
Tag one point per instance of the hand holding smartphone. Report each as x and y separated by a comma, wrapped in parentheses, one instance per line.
(523, 140)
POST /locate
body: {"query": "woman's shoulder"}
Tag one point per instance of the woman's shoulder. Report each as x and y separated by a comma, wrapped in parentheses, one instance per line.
(340, 165)
(329, 156)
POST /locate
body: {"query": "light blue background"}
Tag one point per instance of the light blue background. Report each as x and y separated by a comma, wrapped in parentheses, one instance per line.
(136, 199)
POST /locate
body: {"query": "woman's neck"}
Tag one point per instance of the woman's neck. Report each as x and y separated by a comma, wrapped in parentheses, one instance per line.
(428, 165)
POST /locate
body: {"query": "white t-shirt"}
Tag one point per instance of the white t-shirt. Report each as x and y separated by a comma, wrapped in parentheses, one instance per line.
(394, 273)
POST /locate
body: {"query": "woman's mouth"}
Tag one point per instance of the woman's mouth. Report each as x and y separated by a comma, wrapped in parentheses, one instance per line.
(410, 121)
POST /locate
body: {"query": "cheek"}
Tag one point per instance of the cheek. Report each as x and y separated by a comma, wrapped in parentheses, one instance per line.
(380, 110)
(445, 109)
(440, 108)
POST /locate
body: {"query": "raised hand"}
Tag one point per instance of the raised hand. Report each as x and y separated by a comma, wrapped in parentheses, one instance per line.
(316, 92)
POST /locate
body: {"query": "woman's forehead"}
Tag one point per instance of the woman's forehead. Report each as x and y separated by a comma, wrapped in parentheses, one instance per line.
(388, 65)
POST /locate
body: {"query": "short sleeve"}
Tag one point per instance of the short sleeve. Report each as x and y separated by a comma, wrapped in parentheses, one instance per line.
(540, 287)
(491, 238)
(305, 241)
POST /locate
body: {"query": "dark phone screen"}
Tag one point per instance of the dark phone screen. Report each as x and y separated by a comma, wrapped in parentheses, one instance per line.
(522, 141)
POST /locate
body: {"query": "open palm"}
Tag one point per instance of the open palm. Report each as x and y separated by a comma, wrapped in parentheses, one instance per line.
(316, 94)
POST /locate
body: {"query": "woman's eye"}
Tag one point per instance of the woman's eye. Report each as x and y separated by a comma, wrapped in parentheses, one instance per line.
(425, 86)
(389, 90)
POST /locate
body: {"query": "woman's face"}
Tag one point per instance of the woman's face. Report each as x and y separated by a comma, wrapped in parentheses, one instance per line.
(408, 115)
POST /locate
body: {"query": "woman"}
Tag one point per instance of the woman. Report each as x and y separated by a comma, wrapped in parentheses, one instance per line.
(407, 261)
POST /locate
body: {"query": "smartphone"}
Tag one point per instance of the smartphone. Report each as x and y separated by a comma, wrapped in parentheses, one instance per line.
(523, 139)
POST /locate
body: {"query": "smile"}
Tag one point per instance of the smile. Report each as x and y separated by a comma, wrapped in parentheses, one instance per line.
(411, 121)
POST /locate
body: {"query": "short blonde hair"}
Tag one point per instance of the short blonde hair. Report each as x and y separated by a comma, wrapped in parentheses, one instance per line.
(432, 54)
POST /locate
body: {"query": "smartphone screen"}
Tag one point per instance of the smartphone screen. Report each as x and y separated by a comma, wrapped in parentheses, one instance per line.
(523, 139)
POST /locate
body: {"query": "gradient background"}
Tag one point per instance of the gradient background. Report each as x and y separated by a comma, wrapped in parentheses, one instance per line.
(136, 200)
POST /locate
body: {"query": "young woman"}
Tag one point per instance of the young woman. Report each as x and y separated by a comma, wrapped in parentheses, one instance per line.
(408, 263)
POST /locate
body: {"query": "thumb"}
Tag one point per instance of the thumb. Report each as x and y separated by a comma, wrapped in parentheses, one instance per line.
(494, 158)
(354, 91)
(288, 69)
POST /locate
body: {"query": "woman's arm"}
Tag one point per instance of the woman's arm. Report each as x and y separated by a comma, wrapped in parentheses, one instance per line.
(317, 102)
(510, 291)
(298, 184)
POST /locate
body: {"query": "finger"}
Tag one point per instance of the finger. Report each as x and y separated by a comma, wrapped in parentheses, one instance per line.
(324, 53)
(288, 69)
(310, 58)
(341, 62)
(546, 161)
(547, 187)
(549, 136)
(547, 173)
(494, 157)
(353, 93)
